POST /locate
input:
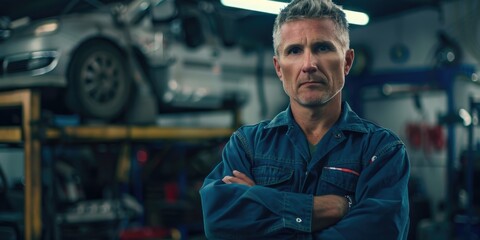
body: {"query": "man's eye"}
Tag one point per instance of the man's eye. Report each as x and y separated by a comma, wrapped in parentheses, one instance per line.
(294, 50)
(323, 48)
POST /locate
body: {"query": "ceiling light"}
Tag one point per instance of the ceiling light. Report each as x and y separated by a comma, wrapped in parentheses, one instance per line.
(357, 18)
(265, 6)
(274, 7)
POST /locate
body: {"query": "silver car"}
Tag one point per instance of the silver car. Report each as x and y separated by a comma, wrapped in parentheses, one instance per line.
(97, 62)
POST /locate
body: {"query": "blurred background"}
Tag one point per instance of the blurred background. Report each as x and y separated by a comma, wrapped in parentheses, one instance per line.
(113, 112)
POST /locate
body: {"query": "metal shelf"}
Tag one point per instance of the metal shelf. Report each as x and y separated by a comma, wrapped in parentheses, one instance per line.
(29, 101)
(113, 133)
(10, 134)
(31, 134)
(117, 133)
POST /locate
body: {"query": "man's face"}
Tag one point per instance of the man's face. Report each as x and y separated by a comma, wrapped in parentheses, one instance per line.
(311, 62)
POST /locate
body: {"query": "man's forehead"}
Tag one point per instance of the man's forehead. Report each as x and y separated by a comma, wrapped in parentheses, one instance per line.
(326, 22)
(299, 31)
(319, 26)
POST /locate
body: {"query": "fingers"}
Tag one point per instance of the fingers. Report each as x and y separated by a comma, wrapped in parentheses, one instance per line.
(227, 179)
(243, 177)
(239, 178)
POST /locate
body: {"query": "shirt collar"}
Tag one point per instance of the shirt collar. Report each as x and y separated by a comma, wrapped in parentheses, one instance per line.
(348, 120)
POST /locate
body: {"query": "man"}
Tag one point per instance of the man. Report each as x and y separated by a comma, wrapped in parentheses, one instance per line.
(316, 170)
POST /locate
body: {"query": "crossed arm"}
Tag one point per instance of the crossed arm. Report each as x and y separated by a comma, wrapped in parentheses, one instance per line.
(327, 209)
(234, 205)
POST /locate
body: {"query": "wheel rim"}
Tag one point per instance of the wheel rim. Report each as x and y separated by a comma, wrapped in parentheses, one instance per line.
(103, 83)
(101, 77)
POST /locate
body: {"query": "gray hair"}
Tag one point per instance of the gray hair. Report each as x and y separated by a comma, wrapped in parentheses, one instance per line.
(312, 9)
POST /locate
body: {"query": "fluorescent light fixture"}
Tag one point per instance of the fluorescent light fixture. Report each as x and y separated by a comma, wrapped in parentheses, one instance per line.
(357, 18)
(266, 6)
(274, 7)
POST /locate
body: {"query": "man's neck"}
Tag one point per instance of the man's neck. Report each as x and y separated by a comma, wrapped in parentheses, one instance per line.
(316, 121)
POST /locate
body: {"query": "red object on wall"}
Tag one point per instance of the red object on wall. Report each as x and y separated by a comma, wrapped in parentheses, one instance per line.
(426, 137)
(414, 135)
(437, 137)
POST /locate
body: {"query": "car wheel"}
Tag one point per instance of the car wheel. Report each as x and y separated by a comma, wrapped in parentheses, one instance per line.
(99, 82)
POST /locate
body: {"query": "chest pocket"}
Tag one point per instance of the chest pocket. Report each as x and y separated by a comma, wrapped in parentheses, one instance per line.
(274, 177)
(339, 180)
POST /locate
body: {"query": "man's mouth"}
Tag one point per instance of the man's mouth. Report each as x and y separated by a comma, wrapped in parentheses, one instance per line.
(312, 83)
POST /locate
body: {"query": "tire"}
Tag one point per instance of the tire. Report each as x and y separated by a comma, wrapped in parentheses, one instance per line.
(99, 84)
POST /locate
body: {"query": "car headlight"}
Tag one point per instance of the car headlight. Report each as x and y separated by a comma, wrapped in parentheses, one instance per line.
(46, 27)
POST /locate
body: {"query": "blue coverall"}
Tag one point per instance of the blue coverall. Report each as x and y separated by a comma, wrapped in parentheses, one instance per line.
(356, 158)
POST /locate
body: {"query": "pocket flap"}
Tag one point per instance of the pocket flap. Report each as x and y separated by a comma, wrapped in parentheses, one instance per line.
(342, 179)
(270, 175)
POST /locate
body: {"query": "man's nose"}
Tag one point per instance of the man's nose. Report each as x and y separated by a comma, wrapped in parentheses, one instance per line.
(309, 63)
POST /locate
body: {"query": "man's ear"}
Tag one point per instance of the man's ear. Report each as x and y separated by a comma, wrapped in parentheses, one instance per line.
(276, 64)
(349, 56)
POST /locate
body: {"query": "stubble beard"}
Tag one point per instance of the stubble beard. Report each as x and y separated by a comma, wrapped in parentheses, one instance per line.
(315, 102)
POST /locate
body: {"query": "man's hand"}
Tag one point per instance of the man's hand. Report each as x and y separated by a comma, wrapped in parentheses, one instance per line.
(328, 210)
(239, 178)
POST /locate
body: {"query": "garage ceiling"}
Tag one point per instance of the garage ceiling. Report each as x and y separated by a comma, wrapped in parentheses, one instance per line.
(235, 26)
(377, 9)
